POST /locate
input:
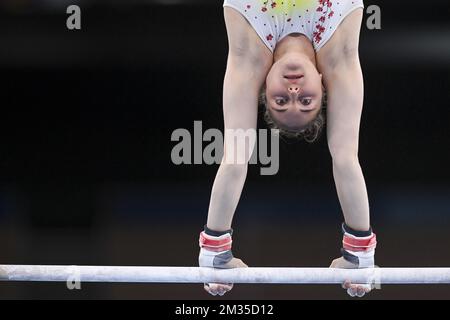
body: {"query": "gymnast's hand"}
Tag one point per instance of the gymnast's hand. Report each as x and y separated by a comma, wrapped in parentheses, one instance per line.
(215, 252)
(221, 288)
(353, 289)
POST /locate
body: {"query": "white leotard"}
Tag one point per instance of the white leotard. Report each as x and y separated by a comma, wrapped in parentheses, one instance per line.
(275, 19)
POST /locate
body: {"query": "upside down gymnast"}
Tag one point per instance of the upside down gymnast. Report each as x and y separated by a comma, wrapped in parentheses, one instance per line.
(290, 52)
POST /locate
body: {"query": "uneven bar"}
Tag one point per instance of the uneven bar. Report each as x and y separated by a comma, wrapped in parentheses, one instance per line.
(241, 275)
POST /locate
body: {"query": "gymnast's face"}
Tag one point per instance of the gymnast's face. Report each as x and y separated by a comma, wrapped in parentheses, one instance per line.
(293, 92)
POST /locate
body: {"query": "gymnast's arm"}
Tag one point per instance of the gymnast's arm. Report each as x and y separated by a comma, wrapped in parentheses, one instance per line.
(248, 64)
(338, 61)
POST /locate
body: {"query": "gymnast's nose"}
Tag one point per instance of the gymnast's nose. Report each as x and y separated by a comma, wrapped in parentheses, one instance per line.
(294, 89)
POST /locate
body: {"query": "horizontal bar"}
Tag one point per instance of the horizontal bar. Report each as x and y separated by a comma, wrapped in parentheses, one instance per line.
(240, 275)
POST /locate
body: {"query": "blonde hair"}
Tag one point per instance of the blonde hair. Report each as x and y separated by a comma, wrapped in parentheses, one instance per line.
(310, 134)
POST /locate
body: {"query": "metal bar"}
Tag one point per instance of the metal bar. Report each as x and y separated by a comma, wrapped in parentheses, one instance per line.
(239, 275)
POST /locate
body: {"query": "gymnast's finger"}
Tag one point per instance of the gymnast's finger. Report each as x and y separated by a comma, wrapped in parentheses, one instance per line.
(218, 288)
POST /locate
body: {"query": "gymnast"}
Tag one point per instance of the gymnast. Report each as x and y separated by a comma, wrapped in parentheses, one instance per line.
(290, 53)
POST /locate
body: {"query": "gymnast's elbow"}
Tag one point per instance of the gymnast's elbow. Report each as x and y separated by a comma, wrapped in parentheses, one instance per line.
(345, 160)
(236, 170)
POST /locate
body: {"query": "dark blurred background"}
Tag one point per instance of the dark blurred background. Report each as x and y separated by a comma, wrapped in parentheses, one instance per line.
(85, 167)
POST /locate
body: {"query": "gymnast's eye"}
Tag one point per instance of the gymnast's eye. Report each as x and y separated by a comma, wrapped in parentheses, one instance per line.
(305, 101)
(280, 101)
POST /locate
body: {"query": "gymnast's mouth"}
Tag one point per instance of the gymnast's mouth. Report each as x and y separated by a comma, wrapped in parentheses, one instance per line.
(293, 76)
